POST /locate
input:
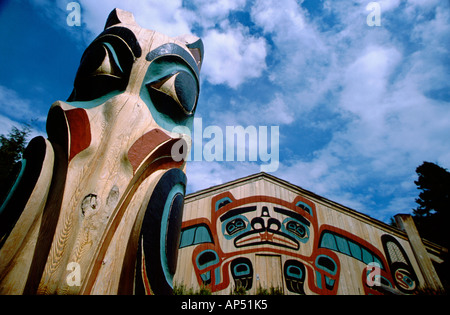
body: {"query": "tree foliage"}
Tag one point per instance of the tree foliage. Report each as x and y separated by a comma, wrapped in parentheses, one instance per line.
(432, 214)
(11, 148)
(434, 182)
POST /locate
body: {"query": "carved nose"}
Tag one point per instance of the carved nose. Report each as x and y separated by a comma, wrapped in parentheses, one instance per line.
(265, 223)
(145, 147)
(265, 212)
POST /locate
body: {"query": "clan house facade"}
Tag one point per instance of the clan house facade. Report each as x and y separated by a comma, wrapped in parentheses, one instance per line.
(262, 233)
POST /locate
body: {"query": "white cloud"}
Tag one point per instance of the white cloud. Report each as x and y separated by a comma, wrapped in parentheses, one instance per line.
(6, 124)
(209, 13)
(387, 5)
(202, 175)
(168, 18)
(15, 111)
(303, 60)
(423, 3)
(233, 56)
(297, 42)
(274, 17)
(275, 112)
(366, 81)
(16, 107)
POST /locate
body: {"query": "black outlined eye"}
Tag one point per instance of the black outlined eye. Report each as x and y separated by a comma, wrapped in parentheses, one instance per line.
(105, 67)
(296, 228)
(175, 94)
(235, 226)
(110, 64)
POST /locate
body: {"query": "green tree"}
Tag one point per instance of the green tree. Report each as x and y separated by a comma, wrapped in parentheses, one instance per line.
(11, 148)
(434, 181)
(432, 214)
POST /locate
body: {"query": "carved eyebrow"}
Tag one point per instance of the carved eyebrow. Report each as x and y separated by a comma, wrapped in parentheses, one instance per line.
(127, 36)
(292, 214)
(171, 49)
(232, 213)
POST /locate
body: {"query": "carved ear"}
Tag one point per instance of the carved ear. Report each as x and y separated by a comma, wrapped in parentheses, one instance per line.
(118, 16)
(195, 46)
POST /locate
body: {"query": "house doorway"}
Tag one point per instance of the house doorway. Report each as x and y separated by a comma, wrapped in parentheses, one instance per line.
(269, 274)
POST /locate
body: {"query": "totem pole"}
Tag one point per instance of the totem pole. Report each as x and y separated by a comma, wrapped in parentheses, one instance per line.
(97, 207)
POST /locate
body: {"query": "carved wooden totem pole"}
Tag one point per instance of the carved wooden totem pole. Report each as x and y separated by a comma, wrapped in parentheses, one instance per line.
(97, 207)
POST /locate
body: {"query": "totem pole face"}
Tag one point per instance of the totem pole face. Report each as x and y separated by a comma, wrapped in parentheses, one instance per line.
(163, 72)
(132, 88)
(115, 201)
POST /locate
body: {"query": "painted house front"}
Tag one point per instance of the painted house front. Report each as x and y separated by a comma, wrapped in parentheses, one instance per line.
(262, 233)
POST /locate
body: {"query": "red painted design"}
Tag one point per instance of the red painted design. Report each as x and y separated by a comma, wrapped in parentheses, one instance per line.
(80, 131)
(145, 145)
(147, 288)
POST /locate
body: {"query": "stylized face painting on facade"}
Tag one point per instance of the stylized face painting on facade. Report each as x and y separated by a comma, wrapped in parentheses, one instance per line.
(262, 241)
(258, 225)
(108, 153)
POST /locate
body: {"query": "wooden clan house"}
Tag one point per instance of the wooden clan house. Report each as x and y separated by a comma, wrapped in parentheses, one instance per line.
(263, 234)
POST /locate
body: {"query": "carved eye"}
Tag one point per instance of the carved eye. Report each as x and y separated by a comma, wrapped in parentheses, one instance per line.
(296, 228)
(105, 67)
(235, 226)
(110, 65)
(174, 95)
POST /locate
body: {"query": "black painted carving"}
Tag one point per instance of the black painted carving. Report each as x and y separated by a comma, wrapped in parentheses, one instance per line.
(106, 64)
(401, 269)
(160, 238)
(294, 275)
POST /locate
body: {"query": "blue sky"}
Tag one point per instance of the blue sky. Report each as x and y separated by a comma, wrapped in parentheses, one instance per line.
(358, 107)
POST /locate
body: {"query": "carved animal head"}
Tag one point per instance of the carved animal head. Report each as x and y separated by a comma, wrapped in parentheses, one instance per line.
(162, 71)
